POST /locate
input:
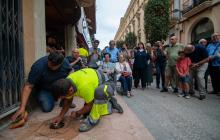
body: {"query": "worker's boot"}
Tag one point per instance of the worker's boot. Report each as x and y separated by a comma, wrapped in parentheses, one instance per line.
(115, 105)
(84, 127)
(87, 125)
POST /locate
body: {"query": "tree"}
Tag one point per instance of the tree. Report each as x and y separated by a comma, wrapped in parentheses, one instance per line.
(156, 18)
(131, 40)
(120, 43)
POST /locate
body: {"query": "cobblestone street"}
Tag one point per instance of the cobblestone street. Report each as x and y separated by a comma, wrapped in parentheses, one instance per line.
(169, 117)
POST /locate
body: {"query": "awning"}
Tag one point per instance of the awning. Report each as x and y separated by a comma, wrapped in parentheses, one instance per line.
(59, 13)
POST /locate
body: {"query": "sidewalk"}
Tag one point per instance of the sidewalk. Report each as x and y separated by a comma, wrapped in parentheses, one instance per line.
(115, 126)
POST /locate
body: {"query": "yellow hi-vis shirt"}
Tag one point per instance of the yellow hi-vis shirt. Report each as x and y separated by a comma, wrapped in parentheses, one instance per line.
(86, 81)
(83, 52)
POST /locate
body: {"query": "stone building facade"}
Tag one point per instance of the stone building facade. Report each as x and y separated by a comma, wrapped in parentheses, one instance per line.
(192, 20)
(133, 21)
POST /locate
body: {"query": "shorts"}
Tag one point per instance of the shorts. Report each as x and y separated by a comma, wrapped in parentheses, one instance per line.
(184, 79)
(171, 71)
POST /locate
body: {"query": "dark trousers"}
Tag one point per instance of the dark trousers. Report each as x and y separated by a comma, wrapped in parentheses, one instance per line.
(160, 72)
(139, 74)
(215, 77)
(126, 83)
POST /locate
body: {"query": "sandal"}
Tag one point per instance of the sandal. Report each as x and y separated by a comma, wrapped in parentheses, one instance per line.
(20, 121)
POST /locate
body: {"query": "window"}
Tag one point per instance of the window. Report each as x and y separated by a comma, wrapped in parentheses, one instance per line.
(203, 29)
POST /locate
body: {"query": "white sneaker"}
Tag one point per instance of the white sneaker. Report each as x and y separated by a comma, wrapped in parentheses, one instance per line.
(187, 97)
(131, 93)
(180, 95)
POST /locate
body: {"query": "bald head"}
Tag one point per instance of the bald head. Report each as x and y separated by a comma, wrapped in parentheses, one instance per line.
(173, 40)
(189, 49)
(75, 52)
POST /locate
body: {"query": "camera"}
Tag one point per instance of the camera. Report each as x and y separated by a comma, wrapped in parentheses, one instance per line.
(137, 48)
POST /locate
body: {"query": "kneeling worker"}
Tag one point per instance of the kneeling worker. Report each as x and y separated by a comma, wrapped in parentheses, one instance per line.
(90, 85)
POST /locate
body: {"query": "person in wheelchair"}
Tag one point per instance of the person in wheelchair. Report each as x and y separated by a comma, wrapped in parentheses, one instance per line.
(124, 75)
(107, 67)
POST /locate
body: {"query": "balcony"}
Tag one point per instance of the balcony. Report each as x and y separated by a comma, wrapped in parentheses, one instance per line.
(196, 7)
(174, 17)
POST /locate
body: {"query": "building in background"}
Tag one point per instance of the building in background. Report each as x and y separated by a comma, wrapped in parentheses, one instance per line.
(192, 20)
(133, 21)
(24, 25)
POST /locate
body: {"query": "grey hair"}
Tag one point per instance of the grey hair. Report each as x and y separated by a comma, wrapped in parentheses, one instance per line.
(201, 40)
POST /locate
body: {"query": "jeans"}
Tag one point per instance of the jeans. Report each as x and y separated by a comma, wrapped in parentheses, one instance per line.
(160, 69)
(126, 83)
(45, 100)
(198, 75)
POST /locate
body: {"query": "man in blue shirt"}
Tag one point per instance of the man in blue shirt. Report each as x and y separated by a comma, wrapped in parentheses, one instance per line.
(214, 62)
(199, 58)
(113, 51)
(203, 42)
(44, 72)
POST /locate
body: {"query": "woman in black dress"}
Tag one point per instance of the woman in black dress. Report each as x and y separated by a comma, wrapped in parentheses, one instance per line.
(140, 65)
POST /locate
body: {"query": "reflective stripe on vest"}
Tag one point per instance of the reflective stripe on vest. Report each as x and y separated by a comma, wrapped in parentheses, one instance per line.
(105, 88)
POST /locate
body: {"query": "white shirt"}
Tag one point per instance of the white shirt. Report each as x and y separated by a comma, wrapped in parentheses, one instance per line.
(120, 67)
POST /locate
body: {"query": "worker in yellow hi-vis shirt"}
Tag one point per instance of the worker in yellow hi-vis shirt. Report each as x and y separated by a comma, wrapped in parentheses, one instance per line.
(83, 52)
(92, 86)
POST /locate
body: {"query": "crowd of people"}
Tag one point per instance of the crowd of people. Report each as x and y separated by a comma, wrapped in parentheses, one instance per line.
(93, 75)
(187, 67)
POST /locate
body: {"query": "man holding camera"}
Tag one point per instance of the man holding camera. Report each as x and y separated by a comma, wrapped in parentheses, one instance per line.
(75, 60)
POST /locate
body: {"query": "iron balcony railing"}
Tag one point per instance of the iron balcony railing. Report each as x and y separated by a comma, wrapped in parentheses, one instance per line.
(174, 15)
(190, 4)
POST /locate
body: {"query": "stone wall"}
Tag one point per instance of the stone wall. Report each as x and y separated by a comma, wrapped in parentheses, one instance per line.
(34, 36)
